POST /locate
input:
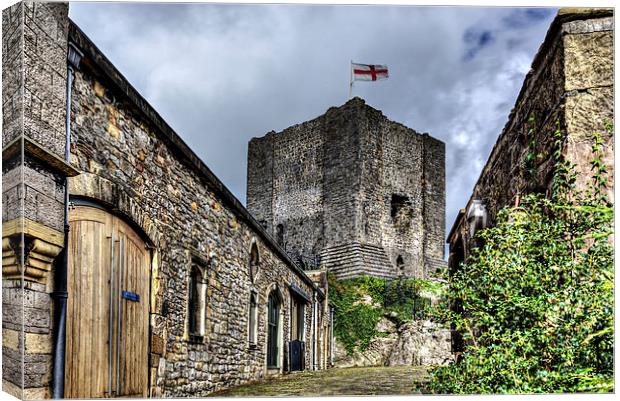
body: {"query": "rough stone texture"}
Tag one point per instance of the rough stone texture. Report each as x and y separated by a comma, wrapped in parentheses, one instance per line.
(571, 82)
(12, 73)
(34, 79)
(589, 58)
(416, 343)
(352, 191)
(134, 163)
(421, 343)
(45, 54)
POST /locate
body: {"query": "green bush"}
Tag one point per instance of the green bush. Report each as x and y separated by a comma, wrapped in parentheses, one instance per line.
(537, 298)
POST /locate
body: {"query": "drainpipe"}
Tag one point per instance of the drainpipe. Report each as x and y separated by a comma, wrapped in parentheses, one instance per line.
(60, 278)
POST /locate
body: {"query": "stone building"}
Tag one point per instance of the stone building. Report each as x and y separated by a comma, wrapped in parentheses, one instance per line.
(129, 269)
(571, 82)
(352, 191)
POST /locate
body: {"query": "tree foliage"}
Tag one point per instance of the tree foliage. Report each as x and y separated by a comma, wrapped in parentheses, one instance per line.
(537, 297)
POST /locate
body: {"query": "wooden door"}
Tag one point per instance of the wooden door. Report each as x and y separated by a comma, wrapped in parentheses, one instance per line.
(107, 308)
(134, 313)
(88, 313)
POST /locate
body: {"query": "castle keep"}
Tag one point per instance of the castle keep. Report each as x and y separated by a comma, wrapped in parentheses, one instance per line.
(352, 191)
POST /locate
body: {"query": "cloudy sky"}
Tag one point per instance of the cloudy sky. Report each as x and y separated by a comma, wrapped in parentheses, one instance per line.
(222, 74)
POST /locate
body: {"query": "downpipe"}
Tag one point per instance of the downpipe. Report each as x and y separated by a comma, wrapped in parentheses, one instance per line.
(60, 277)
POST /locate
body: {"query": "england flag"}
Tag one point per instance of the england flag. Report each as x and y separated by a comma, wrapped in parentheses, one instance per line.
(369, 72)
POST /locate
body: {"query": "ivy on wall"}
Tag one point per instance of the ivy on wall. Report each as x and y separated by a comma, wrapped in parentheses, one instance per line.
(359, 303)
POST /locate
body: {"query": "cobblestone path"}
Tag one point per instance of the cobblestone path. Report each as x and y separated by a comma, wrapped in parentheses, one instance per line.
(392, 380)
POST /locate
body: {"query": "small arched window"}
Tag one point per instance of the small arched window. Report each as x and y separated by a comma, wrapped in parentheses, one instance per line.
(254, 261)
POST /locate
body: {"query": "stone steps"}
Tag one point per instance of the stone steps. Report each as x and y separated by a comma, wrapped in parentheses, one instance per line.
(354, 259)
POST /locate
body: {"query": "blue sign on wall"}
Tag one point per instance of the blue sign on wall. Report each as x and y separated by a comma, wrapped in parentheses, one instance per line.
(131, 296)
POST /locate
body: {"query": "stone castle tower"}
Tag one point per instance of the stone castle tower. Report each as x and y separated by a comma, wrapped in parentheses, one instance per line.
(352, 191)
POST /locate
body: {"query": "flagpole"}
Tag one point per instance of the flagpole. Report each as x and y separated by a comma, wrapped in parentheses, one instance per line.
(350, 78)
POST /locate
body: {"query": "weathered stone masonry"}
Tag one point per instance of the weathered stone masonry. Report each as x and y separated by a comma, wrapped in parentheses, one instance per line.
(132, 164)
(352, 191)
(34, 41)
(570, 83)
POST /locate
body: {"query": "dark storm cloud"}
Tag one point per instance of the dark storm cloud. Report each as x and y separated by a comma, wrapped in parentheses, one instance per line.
(475, 40)
(221, 74)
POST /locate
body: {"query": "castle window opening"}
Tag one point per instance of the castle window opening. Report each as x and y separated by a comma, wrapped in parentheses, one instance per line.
(398, 203)
(196, 304)
(280, 234)
(400, 263)
(254, 262)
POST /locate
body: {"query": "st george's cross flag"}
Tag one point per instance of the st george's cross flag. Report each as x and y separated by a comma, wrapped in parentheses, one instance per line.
(368, 72)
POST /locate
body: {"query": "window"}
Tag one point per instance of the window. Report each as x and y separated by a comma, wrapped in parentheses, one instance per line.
(280, 234)
(400, 263)
(399, 202)
(297, 319)
(254, 261)
(401, 211)
(273, 330)
(253, 320)
(196, 304)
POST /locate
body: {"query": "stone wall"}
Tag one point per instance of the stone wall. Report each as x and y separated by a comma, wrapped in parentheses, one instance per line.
(133, 163)
(415, 343)
(570, 84)
(34, 63)
(353, 190)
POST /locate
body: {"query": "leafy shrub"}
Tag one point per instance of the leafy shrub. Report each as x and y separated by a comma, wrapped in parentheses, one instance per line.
(537, 298)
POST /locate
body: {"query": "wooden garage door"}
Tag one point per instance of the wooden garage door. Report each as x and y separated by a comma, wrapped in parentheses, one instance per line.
(107, 309)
